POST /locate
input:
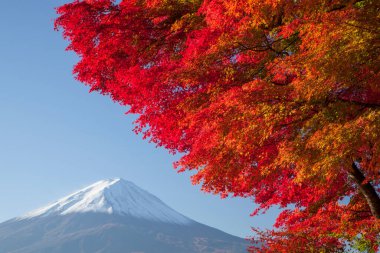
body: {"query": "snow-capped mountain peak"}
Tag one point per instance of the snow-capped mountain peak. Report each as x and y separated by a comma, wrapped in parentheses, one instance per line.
(113, 196)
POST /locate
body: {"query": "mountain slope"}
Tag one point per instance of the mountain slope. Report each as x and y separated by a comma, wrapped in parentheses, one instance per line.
(112, 216)
(114, 196)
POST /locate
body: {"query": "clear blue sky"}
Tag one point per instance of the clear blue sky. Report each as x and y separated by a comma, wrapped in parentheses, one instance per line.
(55, 137)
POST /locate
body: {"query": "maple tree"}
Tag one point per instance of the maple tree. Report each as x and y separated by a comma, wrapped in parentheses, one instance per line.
(274, 100)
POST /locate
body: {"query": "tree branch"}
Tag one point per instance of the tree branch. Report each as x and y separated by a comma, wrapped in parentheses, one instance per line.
(368, 191)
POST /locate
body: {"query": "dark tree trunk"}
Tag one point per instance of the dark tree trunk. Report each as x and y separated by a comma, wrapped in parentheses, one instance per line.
(367, 190)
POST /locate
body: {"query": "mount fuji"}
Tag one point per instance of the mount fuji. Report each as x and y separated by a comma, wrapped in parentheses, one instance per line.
(112, 216)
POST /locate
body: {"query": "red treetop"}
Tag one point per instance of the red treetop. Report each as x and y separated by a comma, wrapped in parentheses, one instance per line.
(278, 101)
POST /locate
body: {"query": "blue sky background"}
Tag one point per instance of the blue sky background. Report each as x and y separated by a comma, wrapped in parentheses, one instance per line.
(56, 138)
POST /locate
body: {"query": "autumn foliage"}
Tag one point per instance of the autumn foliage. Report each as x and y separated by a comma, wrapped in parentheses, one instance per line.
(274, 100)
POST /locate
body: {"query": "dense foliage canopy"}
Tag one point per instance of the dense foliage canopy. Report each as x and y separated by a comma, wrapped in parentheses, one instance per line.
(276, 100)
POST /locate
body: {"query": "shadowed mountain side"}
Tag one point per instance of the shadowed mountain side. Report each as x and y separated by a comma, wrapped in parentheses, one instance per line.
(104, 233)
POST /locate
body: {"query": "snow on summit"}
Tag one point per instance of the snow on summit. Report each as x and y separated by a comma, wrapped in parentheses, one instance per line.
(113, 196)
